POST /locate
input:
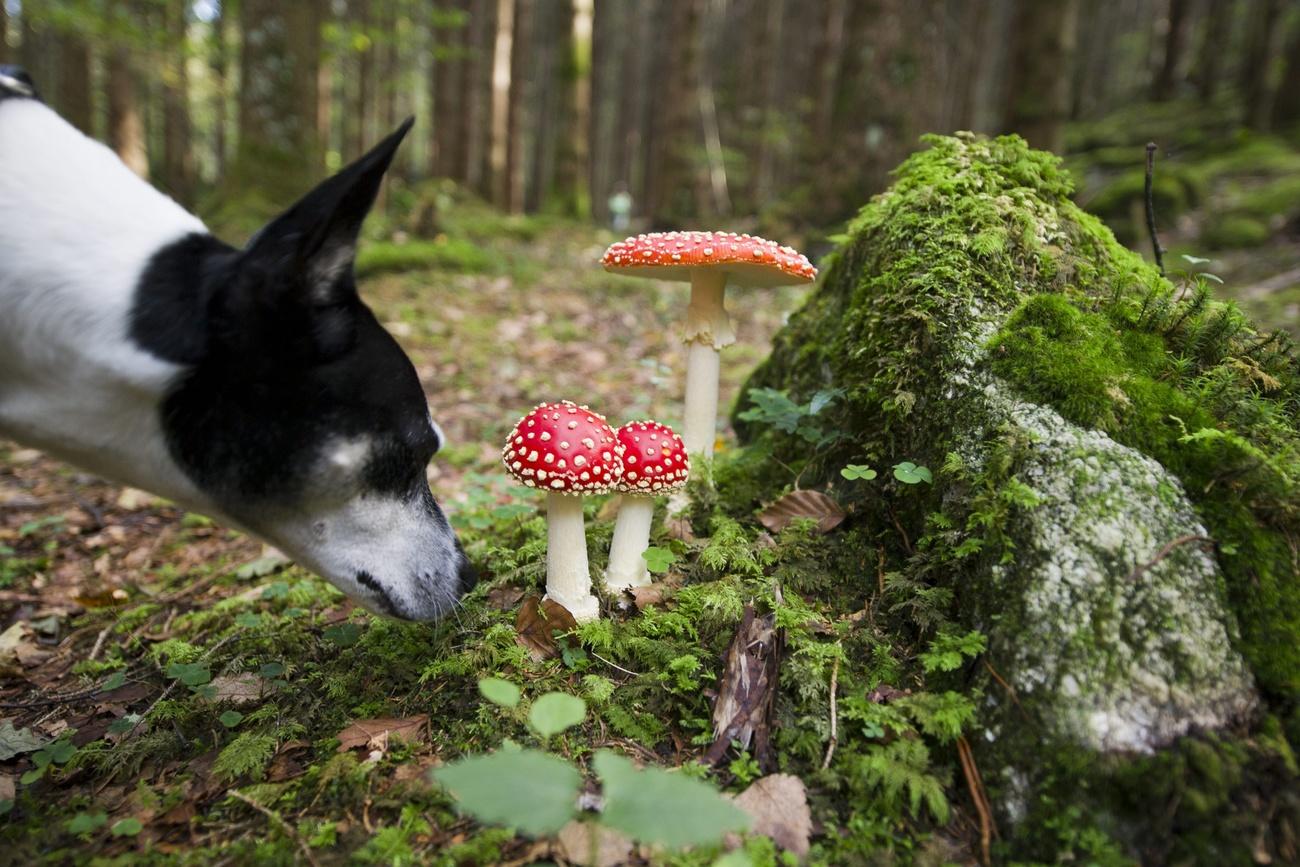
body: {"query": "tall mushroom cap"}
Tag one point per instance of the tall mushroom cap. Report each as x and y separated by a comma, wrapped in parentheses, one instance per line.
(654, 458)
(747, 259)
(564, 448)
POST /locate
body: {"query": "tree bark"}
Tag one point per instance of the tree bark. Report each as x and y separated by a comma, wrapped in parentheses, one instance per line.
(363, 92)
(448, 92)
(519, 95)
(1258, 84)
(1167, 79)
(478, 95)
(279, 152)
(75, 98)
(829, 49)
(670, 191)
(498, 179)
(574, 145)
(178, 162)
(221, 87)
(1286, 102)
(605, 87)
(126, 134)
(1044, 38)
(1209, 62)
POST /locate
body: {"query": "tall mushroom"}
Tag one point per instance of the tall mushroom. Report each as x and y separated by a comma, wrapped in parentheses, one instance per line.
(566, 450)
(707, 260)
(655, 461)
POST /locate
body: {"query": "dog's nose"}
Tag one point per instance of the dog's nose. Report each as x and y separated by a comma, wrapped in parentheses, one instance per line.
(15, 81)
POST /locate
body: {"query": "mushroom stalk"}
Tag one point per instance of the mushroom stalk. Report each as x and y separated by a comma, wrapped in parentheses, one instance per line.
(708, 330)
(627, 567)
(568, 579)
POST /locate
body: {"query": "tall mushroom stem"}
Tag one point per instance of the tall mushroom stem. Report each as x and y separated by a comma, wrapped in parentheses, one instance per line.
(708, 330)
(568, 578)
(627, 568)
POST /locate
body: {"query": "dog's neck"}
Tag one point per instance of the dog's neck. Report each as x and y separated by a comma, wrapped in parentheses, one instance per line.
(78, 231)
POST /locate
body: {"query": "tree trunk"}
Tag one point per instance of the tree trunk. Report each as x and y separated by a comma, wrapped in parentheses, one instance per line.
(478, 95)
(670, 191)
(1209, 62)
(605, 87)
(74, 96)
(279, 153)
(448, 92)
(1044, 37)
(126, 133)
(573, 161)
(516, 117)
(1258, 84)
(1167, 77)
(1286, 102)
(178, 163)
(220, 88)
(770, 74)
(363, 93)
(498, 180)
(830, 46)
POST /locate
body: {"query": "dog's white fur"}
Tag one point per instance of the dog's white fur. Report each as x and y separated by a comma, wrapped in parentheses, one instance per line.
(74, 385)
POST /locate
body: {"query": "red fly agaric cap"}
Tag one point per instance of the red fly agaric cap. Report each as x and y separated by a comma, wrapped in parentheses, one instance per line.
(563, 447)
(750, 260)
(654, 458)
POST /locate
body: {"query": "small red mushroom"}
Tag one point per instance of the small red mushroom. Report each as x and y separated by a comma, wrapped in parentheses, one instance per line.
(567, 450)
(707, 260)
(655, 461)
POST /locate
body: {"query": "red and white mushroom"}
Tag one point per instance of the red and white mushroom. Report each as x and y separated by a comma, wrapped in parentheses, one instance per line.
(707, 260)
(566, 450)
(655, 461)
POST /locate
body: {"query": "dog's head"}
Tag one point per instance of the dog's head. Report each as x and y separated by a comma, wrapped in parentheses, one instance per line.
(297, 413)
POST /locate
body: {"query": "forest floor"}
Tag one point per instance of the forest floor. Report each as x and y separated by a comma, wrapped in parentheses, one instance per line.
(169, 691)
(105, 590)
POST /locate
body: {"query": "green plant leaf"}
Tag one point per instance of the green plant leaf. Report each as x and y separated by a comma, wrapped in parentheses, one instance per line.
(14, 742)
(231, 718)
(272, 669)
(189, 673)
(525, 789)
(128, 827)
(85, 823)
(1195, 260)
(343, 634)
(910, 474)
(670, 809)
(555, 712)
(858, 471)
(499, 691)
(657, 560)
(115, 680)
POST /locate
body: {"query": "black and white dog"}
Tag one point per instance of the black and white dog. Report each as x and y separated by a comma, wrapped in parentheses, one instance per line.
(252, 385)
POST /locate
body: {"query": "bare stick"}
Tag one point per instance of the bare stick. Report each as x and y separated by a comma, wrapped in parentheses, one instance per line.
(830, 746)
(99, 641)
(1166, 551)
(1151, 208)
(276, 819)
(978, 796)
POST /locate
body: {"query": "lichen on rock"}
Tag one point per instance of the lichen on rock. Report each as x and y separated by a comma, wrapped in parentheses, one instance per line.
(1114, 509)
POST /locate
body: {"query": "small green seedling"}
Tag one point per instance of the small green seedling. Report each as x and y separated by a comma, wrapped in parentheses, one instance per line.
(910, 474)
(858, 471)
(657, 560)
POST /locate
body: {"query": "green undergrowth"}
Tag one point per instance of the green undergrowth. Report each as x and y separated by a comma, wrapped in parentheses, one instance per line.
(986, 231)
(382, 257)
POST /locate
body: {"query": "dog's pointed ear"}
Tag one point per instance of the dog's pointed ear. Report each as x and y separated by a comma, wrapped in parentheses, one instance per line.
(314, 243)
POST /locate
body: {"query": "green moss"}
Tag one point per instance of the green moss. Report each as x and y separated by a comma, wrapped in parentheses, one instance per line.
(450, 254)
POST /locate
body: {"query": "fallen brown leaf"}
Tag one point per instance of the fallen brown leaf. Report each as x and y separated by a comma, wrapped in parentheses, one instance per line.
(779, 805)
(652, 594)
(802, 504)
(679, 527)
(537, 623)
(376, 732)
(505, 597)
(743, 709)
(239, 689)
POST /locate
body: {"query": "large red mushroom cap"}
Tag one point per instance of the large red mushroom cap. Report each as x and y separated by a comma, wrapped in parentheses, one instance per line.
(748, 259)
(565, 448)
(654, 458)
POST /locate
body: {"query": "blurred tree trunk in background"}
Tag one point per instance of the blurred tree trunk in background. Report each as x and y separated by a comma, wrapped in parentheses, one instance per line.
(73, 94)
(632, 100)
(829, 51)
(1043, 45)
(518, 102)
(1258, 84)
(221, 45)
(387, 83)
(178, 164)
(359, 135)
(448, 90)
(669, 187)
(543, 104)
(988, 80)
(4, 33)
(279, 154)
(1167, 77)
(477, 94)
(126, 134)
(1286, 102)
(608, 23)
(1214, 46)
(497, 179)
(572, 169)
(34, 55)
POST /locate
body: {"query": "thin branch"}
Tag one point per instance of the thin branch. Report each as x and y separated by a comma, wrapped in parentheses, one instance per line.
(830, 745)
(1166, 551)
(979, 797)
(1151, 208)
(1008, 687)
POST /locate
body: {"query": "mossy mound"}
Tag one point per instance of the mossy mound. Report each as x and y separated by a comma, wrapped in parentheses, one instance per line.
(1117, 507)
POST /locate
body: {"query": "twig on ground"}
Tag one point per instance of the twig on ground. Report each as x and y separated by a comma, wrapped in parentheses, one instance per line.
(53, 699)
(835, 683)
(168, 689)
(1166, 551)
(1151, 208)
(99, 641)
(981, 799)
(279, 822)
(612, 664)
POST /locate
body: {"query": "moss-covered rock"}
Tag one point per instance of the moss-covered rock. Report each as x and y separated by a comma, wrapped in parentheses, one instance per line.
(1116, 509)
